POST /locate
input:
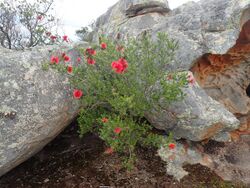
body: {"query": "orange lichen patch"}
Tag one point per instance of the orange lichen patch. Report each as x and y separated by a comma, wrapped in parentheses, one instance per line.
(243, 130)
(212, 64)
(213, 130)
(235, 135)
(216, 63)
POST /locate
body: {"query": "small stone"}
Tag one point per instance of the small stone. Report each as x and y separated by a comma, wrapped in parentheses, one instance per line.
(46, 180)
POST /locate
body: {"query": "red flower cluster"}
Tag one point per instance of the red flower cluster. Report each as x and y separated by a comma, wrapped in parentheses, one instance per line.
(105, 120)
(53, 38)
(117, 130)
(78, 59)
(70, 69)
(54, 59)
(66, 58)
(171, 146)
(120, 66)
(91, 51)
(65, 38)
(103, 45)
(77, 94)
(90, 61)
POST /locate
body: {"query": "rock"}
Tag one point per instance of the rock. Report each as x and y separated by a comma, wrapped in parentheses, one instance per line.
(209, 32)
(178, 157)
(35, 105)
(226, 79)
(229, 160)
(197, 117)
(140, 7)
(131, 16)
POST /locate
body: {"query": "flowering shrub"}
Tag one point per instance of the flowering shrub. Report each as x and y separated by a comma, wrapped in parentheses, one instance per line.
(117, 83)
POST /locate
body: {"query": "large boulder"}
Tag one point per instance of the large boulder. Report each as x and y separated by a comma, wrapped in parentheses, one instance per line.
(35, 105)
(207, 26)
(210, 35)
(197, 117)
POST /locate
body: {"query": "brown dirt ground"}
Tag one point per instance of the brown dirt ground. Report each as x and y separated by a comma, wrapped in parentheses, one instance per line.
(71, 162)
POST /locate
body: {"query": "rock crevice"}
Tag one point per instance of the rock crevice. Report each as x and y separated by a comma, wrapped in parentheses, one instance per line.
(141, 7)
(226, 78)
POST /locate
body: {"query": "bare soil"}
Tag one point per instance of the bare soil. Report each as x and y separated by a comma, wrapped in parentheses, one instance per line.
(73, 162)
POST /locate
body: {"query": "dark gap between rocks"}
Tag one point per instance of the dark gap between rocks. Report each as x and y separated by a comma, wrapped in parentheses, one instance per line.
(248, 91)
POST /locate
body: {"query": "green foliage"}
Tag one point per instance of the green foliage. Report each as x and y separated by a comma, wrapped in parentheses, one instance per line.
(115, 100)
(45, 66)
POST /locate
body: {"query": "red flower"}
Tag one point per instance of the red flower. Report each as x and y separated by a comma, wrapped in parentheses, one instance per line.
(109, 151)
(77, 94)
(117, 130)
(78, 59)
(91, 51)
(105, 120)
(70, 69)
(39, 17)
(63, 54)
(54, 59)
(123, 62)
(66, 58)
(171, 146)
(65, 38)
(103, 46)
(90, 61)
(120, 66)
(117, 67)
(53, 38)
(191, 79)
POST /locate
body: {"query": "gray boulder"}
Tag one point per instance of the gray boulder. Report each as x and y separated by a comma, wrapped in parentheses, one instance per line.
(207, 26)
(197, 117)
(35, 105)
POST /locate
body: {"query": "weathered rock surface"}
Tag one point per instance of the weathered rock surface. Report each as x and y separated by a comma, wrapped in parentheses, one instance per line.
(140, 7)
(197, 117)
(35, 105)
(207, 26)
(123, 16)
(228, 160)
